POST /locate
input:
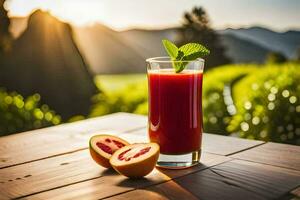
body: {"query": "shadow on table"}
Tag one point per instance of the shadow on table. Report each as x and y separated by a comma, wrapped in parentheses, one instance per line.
(174, 173)
(136, 183)
(109, 172)
(160, 184)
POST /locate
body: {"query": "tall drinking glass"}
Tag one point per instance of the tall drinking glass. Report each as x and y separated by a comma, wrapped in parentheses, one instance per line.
(175, 111)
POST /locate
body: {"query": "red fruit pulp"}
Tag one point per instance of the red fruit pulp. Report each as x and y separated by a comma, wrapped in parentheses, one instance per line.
(175, 110)
(143, 151)
(119, 144)
(109, 145)
(104, 147)
(128, 157)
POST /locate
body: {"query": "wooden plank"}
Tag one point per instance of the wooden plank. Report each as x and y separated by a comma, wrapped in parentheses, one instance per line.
(226, 145)
(239, 179)
(42, 143)
(108, 185)
(296, 192)
(46, 174)
(217, 144)
(98, 188)
(169, 190)
(281, 155)
(207, 160)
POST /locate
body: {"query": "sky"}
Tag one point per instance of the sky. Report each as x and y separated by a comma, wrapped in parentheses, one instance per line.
(279, 15)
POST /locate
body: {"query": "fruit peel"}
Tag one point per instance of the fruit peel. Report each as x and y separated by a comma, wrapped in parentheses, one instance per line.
(136, 168)
(100, 156)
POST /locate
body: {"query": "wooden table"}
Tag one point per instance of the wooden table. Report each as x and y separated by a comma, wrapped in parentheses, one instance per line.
(54, 163)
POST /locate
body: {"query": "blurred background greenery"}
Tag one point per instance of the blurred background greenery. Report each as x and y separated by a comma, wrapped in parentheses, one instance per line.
(249, 101)
(53, 72)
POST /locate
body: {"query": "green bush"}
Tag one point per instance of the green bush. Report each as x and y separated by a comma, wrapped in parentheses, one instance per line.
(268, 106)
(217, 103)
(129, 99)
(21, 114)
(275, 58)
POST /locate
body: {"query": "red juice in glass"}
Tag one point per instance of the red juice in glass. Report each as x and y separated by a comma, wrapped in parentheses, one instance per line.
(175, 112)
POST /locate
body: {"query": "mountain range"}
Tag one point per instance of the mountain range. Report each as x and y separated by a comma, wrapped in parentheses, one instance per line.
(108, 51)
(286, 43)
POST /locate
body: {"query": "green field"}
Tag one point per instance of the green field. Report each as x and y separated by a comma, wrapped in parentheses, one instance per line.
(114, 83)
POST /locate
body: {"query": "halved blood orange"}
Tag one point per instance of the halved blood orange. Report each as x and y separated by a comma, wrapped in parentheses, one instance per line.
(103, 146)
(135, 160)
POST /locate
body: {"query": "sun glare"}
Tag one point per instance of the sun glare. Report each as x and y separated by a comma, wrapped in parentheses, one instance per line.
(75, 12)
(156, 13)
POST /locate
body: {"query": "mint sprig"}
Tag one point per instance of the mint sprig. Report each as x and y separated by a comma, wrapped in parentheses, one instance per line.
(187, 52)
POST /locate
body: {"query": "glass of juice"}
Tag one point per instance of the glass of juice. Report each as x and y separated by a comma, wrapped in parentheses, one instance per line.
(175, 111)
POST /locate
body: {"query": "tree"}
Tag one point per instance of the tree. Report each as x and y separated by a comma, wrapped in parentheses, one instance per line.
(45, 59)
(5, 36)
(196, 28)
(275, 57)
(297, 57)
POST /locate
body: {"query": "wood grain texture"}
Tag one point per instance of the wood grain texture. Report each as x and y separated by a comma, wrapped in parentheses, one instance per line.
(296, 192)
(112, 184)
(281, 155)
(211, 143)
(239, 179)
(47, 142)
(54, 163)
(45, 174)
(106, 186)
(169, 190)
(225, 145)
(207, 160)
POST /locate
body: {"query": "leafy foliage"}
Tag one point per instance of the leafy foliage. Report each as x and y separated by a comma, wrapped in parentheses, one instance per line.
(170, 48)
(187, 52)
(47, 61)
(5, 36)
(297, 57)
(275, 57)
(218, 106)
(132, 98)
(268, 105)
(21, 114)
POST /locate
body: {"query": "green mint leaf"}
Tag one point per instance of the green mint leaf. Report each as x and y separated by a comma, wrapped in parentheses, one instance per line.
(178, 65)
(180, 55)
(171, 48)
(193, 51)
(185, 53)
(194, 56)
